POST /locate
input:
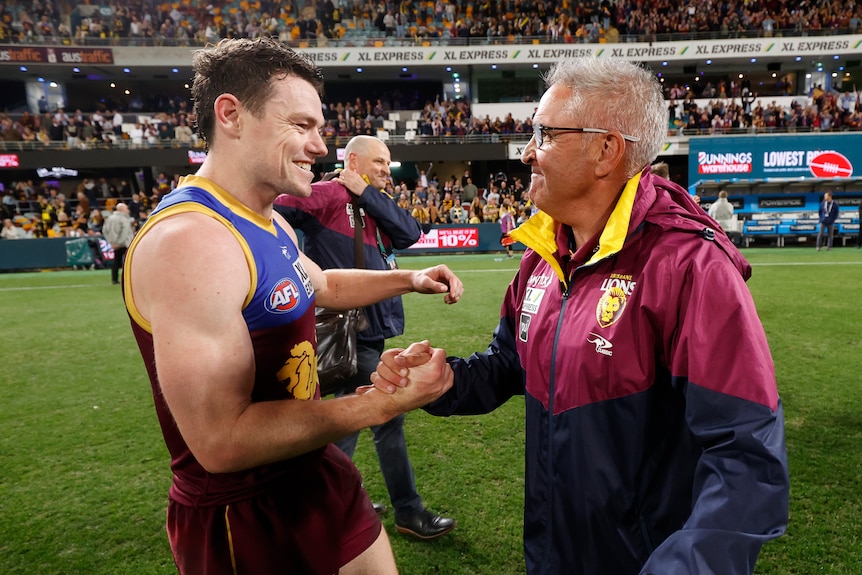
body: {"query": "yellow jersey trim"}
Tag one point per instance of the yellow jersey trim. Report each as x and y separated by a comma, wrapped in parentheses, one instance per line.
(224, 197)
(182, 208)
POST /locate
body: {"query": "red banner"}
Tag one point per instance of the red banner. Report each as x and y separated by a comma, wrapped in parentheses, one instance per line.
(451, 238)
(8, 160)
(55, 55)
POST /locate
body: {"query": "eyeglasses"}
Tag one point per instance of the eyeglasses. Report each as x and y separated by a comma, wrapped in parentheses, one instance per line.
(539, 132)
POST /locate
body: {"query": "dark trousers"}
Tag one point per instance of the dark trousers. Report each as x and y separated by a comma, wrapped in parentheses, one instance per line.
(388, 439)
(119, 256)
(827, 230)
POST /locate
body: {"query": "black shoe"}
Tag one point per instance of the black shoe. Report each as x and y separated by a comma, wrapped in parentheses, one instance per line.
(115, 282)
(380, 508)
(424, 524)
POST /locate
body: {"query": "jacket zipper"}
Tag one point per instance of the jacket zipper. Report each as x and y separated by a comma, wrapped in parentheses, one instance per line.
(550, 465)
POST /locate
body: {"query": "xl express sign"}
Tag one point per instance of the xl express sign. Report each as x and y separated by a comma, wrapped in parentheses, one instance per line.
(780, 156)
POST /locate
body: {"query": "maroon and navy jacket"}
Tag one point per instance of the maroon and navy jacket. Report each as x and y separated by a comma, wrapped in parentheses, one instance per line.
(327, 223)
(654, 430)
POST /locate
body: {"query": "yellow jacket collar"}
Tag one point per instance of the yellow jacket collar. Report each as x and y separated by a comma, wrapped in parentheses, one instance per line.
(539, 232)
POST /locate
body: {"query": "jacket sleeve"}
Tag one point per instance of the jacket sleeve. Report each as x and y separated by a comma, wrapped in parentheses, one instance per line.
(483, 381)
(401, 228)
(294, 216)
(720, 361)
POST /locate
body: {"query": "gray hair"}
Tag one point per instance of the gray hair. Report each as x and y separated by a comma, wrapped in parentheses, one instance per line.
(616, 95)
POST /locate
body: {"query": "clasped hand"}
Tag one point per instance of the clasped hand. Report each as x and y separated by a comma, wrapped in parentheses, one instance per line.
(415, 376)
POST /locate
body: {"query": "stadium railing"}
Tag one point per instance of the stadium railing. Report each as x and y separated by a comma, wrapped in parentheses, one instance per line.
(375, 40)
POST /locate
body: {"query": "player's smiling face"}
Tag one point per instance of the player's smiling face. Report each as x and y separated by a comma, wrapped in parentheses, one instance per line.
(285, 140)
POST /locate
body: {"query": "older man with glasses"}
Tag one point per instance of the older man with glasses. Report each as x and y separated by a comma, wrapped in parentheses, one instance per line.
(654, 429)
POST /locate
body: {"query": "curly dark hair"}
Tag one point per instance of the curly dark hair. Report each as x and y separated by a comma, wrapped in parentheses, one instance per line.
(245, 69)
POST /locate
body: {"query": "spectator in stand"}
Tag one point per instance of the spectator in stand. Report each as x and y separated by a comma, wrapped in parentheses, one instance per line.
(469, 190)
(434, 213)
(447, 202)
(403, 201)
(80, 220)
(10, 231)
(10, 204)
(491, 211)
(492, 192)
(94, 222)
(420, 212)
(117, 123)
(433, 195)
(135, 207)
(458, 213)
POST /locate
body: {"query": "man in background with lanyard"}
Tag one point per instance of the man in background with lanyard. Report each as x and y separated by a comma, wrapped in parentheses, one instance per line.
(327, 220)
(828, 214)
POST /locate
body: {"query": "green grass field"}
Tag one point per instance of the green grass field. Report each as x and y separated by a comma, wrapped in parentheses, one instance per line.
(84, 472)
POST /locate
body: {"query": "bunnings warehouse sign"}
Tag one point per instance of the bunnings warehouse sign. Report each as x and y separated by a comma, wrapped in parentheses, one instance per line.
(777, 156)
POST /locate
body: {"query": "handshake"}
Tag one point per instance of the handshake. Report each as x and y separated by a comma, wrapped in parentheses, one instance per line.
(413, 377)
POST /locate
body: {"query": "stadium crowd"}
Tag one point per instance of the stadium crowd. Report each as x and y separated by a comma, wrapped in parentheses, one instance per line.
(724, 108)
(196, 22)
(822, 111)
(39, 210)
(709, 112)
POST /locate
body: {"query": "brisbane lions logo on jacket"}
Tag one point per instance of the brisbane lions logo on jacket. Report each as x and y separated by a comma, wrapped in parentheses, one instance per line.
(617, 288)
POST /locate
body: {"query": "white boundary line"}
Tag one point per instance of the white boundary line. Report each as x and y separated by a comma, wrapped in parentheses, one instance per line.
(508, 270)
(808, 264)
(28, 288)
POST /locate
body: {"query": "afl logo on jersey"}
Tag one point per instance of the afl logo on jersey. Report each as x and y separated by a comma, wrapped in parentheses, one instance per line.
(283, 297)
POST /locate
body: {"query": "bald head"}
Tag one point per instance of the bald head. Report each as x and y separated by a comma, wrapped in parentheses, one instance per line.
(363, 146)
(370, 157)
(121, 207)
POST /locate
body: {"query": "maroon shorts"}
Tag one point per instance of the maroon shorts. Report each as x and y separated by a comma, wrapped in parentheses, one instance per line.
(313, 530)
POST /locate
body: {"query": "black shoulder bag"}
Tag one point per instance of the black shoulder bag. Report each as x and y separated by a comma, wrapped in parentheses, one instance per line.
(336, 330)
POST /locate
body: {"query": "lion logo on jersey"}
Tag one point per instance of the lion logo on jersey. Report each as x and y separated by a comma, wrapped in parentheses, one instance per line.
(611, 306)
(299, 372)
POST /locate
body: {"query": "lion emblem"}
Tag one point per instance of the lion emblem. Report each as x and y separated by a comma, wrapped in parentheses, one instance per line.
(299, 372)
(611, 306)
